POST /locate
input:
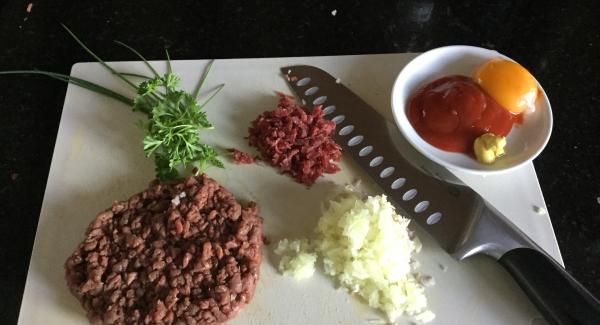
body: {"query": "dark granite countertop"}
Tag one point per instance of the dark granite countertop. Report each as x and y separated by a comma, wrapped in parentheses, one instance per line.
(558, 43)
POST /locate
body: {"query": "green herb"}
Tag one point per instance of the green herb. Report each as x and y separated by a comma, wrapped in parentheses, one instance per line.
(175, 117)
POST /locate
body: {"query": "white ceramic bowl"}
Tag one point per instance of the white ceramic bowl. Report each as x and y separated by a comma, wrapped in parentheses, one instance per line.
(524, 142)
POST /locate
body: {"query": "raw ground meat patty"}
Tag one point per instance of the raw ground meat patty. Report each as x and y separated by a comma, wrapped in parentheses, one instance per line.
(182, 252)
(296, 142)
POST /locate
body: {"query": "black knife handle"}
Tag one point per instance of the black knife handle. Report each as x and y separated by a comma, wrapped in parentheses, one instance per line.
(557, 295)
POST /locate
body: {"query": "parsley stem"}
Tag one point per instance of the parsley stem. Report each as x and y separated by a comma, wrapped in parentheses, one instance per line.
(131, 74)
(76, 81)
(169, 68)
(98, 58)
(202, 78)
(212, 95)
(140, 56)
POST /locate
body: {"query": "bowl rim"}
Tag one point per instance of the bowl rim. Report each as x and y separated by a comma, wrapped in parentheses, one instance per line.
(400, 113)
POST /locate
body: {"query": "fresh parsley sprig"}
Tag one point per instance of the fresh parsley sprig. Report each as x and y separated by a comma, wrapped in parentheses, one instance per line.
(173, 126)
(175, 117)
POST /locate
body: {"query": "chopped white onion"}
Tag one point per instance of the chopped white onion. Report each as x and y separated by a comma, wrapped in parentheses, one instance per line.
(368, 248)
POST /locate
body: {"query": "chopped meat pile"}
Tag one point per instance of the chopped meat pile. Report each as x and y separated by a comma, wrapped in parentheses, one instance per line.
(296, 142)
(240, 157)
(183, 252)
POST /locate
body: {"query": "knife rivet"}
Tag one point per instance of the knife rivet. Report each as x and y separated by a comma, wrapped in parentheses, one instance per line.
(311, 91)
(434, 218)
(398, 183)
(346, 130)
(338, 119)
(387, 172)
(421, 206)
(409, 195)
(365, 151)
(328, 110)
(319, 100)
(356, 140)
(303, 82)
(376, 161)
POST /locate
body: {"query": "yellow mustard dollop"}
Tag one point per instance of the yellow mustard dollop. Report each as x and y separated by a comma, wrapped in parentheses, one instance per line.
(488, 147)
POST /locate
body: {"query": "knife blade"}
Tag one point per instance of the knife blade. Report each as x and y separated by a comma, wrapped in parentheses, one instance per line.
(462, 222)
(449, 212)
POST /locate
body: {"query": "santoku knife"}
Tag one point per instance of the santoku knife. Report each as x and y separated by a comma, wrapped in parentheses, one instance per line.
(461, 221)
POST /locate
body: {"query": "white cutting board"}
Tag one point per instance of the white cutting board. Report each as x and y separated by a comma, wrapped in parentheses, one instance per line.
(98, 158)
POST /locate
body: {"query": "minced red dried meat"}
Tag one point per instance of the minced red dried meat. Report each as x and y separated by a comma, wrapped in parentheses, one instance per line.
(296, 142)
(240, 157)
(183, 253)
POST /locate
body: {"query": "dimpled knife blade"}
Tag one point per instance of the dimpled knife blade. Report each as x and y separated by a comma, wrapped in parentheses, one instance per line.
(460, 220)
(457, 217)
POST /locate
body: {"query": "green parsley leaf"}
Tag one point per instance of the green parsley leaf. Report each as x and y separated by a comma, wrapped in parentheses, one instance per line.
(175, 118)
(171, 81)
(148, 86)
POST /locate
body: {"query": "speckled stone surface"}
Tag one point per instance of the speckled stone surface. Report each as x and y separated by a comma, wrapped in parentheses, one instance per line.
(559, 43)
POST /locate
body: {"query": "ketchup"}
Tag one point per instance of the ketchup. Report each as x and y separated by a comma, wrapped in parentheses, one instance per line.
(451, 112)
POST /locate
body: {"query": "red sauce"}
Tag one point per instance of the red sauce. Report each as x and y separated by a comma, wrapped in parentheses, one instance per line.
(451, 112)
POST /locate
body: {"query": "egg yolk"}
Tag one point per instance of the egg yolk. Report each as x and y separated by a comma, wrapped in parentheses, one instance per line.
(511, 85)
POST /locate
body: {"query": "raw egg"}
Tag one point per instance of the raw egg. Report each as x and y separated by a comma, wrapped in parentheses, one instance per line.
(511, 85)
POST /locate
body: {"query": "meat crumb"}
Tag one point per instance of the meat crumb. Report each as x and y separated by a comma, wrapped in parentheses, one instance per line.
(240, 157)
(14, 176)
(296, 142)
(29, 7)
